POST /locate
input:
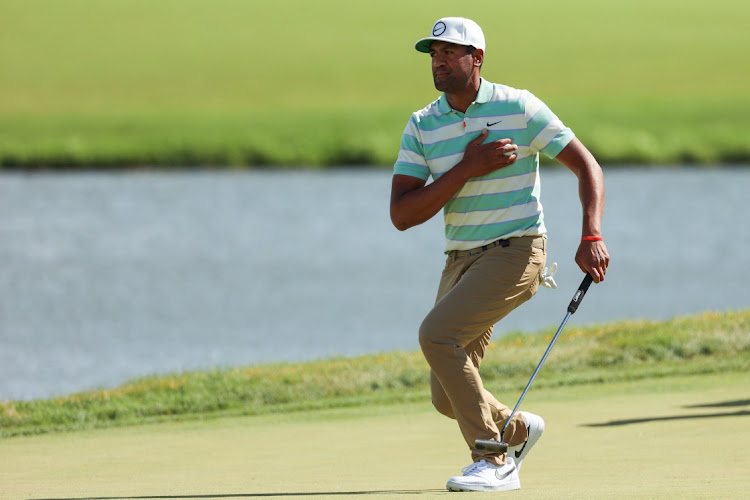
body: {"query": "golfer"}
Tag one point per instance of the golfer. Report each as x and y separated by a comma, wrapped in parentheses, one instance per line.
(480, 144)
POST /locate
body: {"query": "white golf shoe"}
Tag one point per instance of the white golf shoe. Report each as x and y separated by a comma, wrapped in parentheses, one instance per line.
(483, 476)
(535, 425)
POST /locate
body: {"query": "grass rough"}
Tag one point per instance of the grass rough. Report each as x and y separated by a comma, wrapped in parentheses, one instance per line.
(711, 342)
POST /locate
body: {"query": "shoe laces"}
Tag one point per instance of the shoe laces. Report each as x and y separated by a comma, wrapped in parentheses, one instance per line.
(474, 468)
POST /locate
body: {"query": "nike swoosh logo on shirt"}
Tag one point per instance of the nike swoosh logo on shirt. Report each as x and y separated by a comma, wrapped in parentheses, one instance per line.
(494, 123)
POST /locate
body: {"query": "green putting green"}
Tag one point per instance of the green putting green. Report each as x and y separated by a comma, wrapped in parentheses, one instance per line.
(676, 437)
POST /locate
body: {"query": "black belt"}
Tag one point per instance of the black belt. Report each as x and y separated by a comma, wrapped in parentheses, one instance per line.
(523, 241)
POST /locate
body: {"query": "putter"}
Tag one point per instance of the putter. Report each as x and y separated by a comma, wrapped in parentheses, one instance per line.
(501, 446)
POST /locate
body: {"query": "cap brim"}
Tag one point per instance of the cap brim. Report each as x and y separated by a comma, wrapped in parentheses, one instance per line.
(424, 44)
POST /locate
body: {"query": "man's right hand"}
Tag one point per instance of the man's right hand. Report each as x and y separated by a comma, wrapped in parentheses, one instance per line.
(413, 202)
(482, 159)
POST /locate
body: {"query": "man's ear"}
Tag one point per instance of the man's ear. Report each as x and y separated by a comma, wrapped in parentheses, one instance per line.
(478, 55)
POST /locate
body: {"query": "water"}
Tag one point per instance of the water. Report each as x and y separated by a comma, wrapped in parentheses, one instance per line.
(108, 276)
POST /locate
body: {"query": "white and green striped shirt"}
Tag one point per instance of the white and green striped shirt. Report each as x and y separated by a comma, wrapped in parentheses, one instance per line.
(502, 204)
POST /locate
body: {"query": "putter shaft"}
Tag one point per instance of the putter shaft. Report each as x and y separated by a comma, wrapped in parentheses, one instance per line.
(501, 446)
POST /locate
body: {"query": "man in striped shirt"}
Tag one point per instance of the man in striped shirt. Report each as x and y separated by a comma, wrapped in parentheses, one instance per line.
(480, 144)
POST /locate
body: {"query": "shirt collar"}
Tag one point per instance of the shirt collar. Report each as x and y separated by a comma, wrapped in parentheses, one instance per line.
(485, 91)
(483, 95)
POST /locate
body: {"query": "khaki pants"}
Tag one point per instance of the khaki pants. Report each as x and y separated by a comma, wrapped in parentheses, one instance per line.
(477, 289)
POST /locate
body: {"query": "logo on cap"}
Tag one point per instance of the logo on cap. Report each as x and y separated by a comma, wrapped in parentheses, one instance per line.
(438, 29)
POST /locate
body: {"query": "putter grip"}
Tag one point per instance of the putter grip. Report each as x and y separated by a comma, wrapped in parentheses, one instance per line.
(578, 297)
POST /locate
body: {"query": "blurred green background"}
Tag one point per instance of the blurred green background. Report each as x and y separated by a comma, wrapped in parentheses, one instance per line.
(179, 83)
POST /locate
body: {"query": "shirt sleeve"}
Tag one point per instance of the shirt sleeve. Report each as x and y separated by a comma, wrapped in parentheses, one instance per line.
(411, 160)
(548, 134)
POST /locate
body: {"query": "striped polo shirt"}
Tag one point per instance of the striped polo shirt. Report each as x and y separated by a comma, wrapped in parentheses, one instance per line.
(504, 203)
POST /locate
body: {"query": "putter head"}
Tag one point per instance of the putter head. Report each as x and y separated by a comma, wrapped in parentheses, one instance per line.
(491, 445)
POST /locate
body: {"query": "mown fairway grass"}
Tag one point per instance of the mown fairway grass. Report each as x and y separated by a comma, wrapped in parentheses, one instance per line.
(297, 83)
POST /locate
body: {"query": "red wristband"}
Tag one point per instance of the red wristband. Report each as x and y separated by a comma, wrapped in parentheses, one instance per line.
(592, 238)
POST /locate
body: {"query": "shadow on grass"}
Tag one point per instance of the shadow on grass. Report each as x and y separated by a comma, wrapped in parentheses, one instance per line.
(723, 404)
(260, 495)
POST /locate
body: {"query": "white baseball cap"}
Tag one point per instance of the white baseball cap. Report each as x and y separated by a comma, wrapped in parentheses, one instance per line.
(458, 30)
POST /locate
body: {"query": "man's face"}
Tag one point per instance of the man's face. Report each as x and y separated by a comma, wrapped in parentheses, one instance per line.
(452, 66)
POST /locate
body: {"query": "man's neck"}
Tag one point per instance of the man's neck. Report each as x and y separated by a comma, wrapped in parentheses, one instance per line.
(460, 101)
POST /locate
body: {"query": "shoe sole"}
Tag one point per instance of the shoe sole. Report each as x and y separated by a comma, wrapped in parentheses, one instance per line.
(512, 485)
